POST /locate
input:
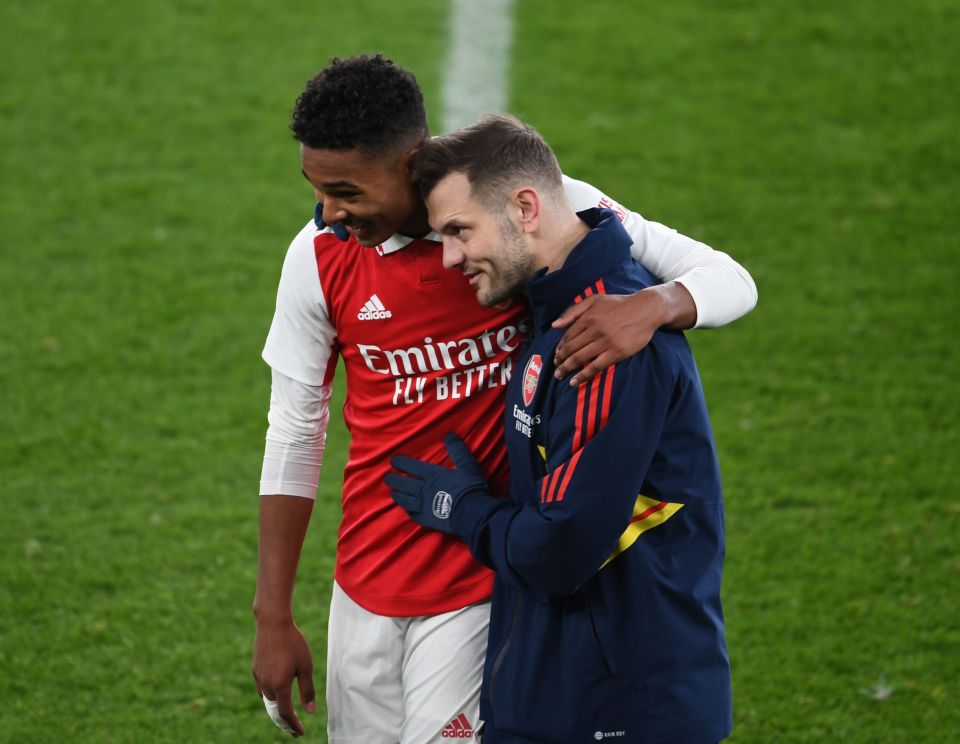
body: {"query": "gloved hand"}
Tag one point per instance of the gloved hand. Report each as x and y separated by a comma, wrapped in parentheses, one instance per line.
(432, 492)
(338, 227)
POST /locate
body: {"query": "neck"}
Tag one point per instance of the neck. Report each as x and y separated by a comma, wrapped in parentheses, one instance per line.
(417, 226)
(558, 243)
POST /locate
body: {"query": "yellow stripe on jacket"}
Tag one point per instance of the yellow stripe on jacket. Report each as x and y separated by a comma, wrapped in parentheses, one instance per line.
(647, 514)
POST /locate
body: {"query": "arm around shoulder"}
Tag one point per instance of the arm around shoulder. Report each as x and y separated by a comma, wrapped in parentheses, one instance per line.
(721, 289)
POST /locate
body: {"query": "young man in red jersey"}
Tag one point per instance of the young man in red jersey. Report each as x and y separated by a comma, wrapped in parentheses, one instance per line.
(410, 607)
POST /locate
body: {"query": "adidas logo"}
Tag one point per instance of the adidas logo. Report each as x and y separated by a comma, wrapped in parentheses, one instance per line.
(373, 309)
(458, 728)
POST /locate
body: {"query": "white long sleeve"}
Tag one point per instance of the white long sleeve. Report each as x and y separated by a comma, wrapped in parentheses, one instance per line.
(722, 289)
(296, 437)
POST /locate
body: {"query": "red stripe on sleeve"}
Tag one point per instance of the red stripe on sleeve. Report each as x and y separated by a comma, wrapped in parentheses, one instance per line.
(578, 440)
(571, 466)
(555, 481)
(592, 423)
(601, 289)
(607, 394)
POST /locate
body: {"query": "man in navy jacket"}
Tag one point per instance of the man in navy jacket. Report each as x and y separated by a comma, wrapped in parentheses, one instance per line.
(606, 620)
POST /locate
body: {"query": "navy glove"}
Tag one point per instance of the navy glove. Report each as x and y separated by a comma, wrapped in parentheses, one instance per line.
(432, 492)
(338, 227)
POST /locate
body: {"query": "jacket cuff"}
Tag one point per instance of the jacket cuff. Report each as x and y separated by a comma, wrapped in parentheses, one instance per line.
(470, 510)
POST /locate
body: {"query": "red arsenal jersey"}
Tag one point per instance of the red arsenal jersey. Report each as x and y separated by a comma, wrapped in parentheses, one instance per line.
(422, 358)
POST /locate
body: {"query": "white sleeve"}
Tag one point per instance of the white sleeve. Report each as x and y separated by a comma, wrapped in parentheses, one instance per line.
(301, 340)
(722, 289)
(296, 437)
(300, 350)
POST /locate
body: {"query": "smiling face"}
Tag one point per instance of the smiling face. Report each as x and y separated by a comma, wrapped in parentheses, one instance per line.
(485, 246)
(372, 195)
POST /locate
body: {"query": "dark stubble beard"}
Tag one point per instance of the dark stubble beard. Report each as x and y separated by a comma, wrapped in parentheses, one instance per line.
(513, 267)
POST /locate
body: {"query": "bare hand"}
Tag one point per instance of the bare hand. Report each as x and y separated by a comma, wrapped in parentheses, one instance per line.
(606, 329)
(280, 655)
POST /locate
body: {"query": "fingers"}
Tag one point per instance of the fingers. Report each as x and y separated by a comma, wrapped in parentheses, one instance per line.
(411, 466)
(579, 357)
(461, 456)
(273, 710)
(593, 368)
(407, 501)
(402, 485)
(287, 713)
(573, 312)
(574, 337)
(573, 341)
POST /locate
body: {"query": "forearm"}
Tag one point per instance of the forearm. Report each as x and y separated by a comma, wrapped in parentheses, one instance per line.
(283, 526)
(721, 289)
(544, 550)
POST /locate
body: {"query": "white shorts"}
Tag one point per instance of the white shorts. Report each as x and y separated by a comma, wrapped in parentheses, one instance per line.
(412, 680)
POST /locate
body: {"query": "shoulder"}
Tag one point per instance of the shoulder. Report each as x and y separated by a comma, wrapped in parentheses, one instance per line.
(581, 195)
(301, 249)
(628, 277)
(300, 285)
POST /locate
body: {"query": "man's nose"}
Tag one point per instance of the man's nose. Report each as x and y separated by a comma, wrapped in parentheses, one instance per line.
(452, 255)
(333, 210)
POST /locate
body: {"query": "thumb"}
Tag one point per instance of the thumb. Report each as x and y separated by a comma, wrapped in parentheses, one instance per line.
(462, 457)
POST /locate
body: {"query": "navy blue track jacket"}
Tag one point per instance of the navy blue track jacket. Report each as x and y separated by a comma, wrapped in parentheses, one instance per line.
(606, 619)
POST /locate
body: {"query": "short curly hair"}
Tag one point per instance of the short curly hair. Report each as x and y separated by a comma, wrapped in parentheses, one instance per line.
(363, 102)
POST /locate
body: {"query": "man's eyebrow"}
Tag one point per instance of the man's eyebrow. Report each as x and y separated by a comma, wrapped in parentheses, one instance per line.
(341, 185)
(451, 224)
(332, 184)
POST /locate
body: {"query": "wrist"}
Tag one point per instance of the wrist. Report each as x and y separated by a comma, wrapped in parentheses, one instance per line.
(469, 510)
(272, 614)
(674, 307)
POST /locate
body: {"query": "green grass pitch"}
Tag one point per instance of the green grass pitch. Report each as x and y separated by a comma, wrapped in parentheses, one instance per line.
(149, 189)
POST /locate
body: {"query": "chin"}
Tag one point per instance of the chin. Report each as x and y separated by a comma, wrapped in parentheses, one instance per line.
(489, 299)
(371, 241)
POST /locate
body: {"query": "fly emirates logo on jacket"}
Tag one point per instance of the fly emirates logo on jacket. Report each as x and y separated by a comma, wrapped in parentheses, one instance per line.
(449, 369)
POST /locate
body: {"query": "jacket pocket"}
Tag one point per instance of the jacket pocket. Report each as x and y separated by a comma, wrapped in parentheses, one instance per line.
(605, 635)
(501, 656)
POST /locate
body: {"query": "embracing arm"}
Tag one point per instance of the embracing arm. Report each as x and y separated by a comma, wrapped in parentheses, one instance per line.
(703, 288)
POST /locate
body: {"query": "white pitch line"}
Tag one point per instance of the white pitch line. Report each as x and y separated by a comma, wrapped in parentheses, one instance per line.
(478, 60)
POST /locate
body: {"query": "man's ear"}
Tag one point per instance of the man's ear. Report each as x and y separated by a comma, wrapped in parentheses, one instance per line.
(408, 162)
(526, 201)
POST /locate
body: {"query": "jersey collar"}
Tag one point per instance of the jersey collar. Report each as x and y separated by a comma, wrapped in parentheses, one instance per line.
(396, 242)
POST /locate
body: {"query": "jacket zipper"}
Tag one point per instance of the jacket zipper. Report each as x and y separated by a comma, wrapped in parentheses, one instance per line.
(501, 655)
